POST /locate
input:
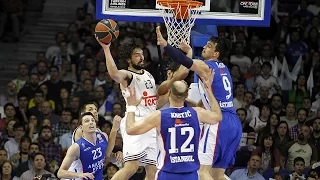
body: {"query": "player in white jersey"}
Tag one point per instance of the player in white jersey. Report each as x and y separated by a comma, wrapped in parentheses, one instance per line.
(92, 107)
(141, 148)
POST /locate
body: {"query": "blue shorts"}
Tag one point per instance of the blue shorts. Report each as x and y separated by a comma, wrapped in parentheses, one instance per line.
(220, 142)
(162, 175)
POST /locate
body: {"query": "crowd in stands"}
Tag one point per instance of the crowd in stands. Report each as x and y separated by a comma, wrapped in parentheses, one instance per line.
(276, 77)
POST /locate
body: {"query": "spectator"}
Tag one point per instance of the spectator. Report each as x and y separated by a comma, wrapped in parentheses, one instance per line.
(270, 128)
(25, 166)
(304, 12)
(31, 86)
(52, 150)
(38, 100)
(255, 72)
(12, 146)
(22, 111)
(263, 97)
(64, 100)
(243, 61)
(301, 148)
(299, 165)
(47, 113)
(55, 49)
(276, 104)
(248, 134)
(252, 111)
(267, 80)
(117, 109)
(10, 95)
(3, 156)
(105, 126)
(290, 116)
(306, 103)
(33, 127)
(42, 70)
(236, 75)
(260, 122)
(302, 117)
(74, 106)
(251, 172)
(39, 163)
(100, 97)
(315, 136)
(66, 139)
(23, 154)
(7, 171)
(300, 92)
(63, 55)
(281, 136)
(238, 100)
(296, 47)
(101, 74)
(10, 112)
(8, 133)
(63, 126)
(270, 155)
(22, 78)
(314, 8)
(109, 171)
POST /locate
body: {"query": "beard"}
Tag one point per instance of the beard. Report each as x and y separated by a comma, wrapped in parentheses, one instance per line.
(301, 137)
(316, 130)
(137, 67)
(46, 139)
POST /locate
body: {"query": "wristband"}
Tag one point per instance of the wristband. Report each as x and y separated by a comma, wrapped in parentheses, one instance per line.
(131, 108)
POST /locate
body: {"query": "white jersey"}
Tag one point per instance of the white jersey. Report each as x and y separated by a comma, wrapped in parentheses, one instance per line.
(145, 87)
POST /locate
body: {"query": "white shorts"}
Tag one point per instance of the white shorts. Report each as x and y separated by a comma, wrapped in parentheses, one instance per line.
(208, 144)
(76, 166)
(139, 147)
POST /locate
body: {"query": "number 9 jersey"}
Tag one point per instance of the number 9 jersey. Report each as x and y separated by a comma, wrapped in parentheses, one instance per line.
(178, 144)
(222, 87)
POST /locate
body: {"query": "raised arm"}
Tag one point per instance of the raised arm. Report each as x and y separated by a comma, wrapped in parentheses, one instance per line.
(113, 134)
(139, 127)
(117, 75)
(73, 154)
(177, 56)
(214, 115)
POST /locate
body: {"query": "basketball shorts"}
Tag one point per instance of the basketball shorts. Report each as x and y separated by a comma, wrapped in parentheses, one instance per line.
(162, 175)
(219, 143)
(76, 166)
(139, 147)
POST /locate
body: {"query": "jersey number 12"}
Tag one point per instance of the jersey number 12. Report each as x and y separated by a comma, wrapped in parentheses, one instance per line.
(186, 146)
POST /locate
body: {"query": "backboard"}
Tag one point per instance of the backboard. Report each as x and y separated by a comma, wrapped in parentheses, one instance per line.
(215, 12)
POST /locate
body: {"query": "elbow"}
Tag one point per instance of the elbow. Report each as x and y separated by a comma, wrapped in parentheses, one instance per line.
(60, 174)
(130, 131)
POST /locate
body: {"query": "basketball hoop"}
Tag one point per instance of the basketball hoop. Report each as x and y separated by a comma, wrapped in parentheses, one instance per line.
(179, 17)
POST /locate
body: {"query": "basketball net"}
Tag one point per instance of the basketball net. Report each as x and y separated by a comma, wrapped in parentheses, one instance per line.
(179, 17)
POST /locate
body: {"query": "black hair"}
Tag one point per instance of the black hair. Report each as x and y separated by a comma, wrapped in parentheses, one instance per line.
(127, 49)
(223, 46)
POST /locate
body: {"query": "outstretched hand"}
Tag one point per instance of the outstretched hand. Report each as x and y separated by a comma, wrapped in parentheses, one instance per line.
(116, 122)
(185, 47)
(160, 40)
(208, 79)
(132, 99)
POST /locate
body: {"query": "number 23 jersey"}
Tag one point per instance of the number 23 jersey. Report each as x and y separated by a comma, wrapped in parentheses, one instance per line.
(178, 140)
(92, 156)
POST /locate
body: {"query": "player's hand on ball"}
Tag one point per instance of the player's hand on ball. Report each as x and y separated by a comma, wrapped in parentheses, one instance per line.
(132, 99)
(102, 44)
(207, 80)
(160, 40)
(185, 47)
(86, 176)
(116, 122)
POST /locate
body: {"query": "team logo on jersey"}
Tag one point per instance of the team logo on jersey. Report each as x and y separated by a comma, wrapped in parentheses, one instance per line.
(179, 121)
(99, 138)
(83, 145)
(149, 100)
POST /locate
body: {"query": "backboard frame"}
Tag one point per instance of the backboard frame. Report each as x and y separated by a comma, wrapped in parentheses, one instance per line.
(216, 18)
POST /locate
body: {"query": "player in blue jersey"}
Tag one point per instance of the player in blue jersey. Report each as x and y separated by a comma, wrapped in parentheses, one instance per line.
(90, 149)
(178, 131)
(220, 142)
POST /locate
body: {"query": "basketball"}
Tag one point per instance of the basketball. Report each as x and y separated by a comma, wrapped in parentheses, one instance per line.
(107, 30)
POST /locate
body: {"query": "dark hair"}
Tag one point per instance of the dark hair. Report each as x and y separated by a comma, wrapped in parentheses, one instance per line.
(223, 46)
(242, 109)
(276, 95)
(25, 138)
(127, 49)
(303, 109)
(54, 67)
(45, 128)
(37, 154)
(34, 143)
(83, 107)
(66, 110)
(267, 64)
(113, 165)
(38, 91)
(298, 159)
(276, 134)
(7, 105)
(20, 95)
(18, 125)
(84, 114)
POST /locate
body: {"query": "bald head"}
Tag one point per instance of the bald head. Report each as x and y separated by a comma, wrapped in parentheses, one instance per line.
(179, 90)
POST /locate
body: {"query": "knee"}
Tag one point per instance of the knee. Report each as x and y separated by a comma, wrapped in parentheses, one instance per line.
(151, 172)
(131, 167)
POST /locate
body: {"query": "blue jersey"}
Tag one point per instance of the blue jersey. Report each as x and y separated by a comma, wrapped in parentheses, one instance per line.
(179, 140)
(92, 156)
(221, 86)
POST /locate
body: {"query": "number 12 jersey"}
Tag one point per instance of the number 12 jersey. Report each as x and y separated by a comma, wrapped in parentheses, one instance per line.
(179, 140)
